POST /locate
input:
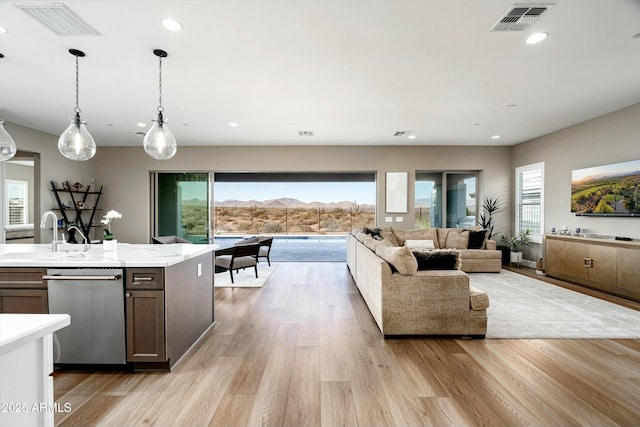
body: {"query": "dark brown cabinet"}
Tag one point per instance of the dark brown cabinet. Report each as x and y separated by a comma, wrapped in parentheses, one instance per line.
(22, 290)
(145, 319)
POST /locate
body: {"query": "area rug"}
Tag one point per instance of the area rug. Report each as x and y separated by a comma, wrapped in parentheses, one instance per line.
(525, 307)
(245, 278)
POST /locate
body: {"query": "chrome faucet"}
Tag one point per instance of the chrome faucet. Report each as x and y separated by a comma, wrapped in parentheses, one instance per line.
(43, 224)
(86, 246)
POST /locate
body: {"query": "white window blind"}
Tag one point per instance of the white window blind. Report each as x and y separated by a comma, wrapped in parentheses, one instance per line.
(530, 200)
(17, 196)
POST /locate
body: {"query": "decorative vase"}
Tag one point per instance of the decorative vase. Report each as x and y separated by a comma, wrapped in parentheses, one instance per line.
(110, 245)
(516, 258)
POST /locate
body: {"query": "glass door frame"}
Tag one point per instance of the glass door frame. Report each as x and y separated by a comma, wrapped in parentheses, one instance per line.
(153, 200)
(444, 184)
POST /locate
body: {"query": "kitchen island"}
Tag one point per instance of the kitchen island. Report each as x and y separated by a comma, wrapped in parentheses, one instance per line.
(160, 302)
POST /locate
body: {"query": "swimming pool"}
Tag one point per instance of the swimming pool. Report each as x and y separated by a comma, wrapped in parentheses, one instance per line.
(307, 248)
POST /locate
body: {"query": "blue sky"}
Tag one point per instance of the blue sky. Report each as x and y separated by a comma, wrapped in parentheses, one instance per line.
(358, 192)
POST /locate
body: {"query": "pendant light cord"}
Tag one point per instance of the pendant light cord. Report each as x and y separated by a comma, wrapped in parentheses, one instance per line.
(160, 84)
(77, 109)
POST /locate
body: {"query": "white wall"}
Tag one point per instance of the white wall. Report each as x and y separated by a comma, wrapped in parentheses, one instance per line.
(611, 138)
(124, 171)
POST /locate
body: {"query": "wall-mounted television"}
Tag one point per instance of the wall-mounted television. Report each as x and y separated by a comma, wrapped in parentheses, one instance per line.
(609, 190)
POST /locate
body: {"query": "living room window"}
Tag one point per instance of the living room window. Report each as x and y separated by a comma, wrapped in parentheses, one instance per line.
(530, 200)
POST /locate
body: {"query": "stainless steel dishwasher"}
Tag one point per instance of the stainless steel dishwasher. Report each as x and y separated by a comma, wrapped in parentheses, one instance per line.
(94, 298)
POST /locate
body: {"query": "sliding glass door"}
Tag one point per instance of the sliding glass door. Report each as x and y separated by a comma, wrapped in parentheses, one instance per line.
(182, 205)
(445, 199)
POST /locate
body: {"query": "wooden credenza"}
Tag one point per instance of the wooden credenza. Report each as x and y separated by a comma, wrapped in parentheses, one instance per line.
(604, 264)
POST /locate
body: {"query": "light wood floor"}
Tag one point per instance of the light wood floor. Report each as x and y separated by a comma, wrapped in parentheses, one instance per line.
(304, 351)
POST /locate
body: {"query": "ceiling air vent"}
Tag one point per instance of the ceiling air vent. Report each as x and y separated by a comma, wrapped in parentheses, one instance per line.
(58, 18)
(305, 133)
(519, 17)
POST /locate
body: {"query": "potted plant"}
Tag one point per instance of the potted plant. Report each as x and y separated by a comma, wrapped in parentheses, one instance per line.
(489, 207)
(516, 243)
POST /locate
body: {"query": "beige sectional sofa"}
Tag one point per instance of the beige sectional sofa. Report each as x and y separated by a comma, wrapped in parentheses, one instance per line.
(425, 302)
(487, 259)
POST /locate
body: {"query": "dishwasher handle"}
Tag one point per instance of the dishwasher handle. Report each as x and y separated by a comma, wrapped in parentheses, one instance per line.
(95, 277)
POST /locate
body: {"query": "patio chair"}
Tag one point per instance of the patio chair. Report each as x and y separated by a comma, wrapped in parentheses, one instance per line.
(241, 257)
(265, 249)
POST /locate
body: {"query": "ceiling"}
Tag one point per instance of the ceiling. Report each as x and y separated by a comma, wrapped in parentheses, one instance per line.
(351, 72)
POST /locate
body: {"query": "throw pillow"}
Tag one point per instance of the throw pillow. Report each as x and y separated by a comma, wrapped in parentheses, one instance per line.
(399, 257)
(419, 244)
(439, 259)
(371, 243)
(457, 240)
(477, 239)
(372, 231)
(387, 234)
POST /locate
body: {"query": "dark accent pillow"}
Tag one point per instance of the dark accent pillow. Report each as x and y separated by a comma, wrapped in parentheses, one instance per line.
(372, 231)
(477, 239)
(438, 259)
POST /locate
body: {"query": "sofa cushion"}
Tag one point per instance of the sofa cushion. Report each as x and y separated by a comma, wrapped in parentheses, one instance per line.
(361, 236)
(438, 259)
(399, 257)
(421, 234)
(480, 254)
(387, 233)
(477, 239)
(459, 240)
(371, 242)
(478, 300)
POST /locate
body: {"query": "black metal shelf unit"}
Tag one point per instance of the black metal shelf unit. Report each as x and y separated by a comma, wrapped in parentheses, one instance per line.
(78, 212)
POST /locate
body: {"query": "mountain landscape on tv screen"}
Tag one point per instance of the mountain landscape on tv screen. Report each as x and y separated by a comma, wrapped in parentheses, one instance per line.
(608, 190)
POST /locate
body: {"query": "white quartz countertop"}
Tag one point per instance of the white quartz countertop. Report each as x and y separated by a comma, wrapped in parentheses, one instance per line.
(126, 255)
(17, 330)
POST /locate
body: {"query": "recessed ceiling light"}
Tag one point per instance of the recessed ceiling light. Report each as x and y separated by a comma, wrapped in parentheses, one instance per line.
(171, 24)
(510, 106)
(495, 137)
(292, 124)
(536, 38)
(3, 30)
(141, 125)
(233, 124)
(412, 136)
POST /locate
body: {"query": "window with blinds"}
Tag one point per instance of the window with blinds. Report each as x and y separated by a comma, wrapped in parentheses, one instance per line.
(530, 200)
(17, 196)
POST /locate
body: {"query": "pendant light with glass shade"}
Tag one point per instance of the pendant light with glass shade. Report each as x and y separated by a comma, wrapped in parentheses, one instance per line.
(8, 147)
(76, 143)
(159, 142)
